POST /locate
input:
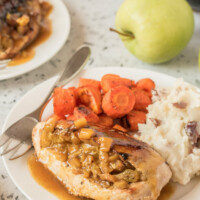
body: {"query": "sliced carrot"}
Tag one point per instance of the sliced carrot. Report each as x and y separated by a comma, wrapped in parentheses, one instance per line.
(90, 97)
(148, 93)
(91, 82)
(136, 117)
(118, 102)
(133, 83)
(74, 91)
(84, 112)
(111, 76)
(109, 81)
(145, 84)
(120, 128)
(71, 89)
(105, 81)
(64, 101)
(142, 100)
(84, 99)
(71, 118)
(106, 121)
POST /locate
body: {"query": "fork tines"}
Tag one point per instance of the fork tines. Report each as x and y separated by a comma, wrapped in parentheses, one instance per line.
(4, 63)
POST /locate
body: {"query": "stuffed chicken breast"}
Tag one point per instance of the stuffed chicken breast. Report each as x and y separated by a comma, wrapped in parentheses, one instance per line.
(98, 163)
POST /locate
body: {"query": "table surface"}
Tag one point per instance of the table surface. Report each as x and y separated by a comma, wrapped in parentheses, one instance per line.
(90, 23)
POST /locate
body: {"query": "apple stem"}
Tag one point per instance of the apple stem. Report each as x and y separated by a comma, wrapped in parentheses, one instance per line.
(124, 34)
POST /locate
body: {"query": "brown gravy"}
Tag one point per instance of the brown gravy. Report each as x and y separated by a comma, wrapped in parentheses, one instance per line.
(167, 192)
(29, 53)
(47, 180)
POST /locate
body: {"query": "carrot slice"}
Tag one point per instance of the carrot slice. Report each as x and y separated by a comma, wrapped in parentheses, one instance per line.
(90, 97)
(91, 82)
(119, 128)
(118, 102)
(142, 100)
(145, 84)
(64, 101)
(74, 91)
(71, 118)
(109, 81)
(148, 93)
(106, 121)
(133, 83)
(136, 117)
(84, 112)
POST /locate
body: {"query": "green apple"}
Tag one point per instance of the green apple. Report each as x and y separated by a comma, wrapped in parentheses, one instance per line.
(155, 31)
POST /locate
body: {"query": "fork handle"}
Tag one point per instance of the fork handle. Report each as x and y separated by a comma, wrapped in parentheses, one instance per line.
(71, 70)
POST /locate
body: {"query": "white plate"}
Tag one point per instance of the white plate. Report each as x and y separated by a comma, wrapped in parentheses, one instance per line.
(18, 169)
(60, 30)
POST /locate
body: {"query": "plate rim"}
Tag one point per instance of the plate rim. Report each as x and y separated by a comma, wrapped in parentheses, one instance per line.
(54, 79)
(16, 74)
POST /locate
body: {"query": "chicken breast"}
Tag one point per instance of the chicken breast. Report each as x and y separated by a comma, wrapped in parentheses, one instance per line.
(19, 25)
(100, 164)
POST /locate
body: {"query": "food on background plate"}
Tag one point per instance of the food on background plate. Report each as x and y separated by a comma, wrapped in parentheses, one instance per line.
(20, 25)
(173, 129)
(99, 163)
(155, 31)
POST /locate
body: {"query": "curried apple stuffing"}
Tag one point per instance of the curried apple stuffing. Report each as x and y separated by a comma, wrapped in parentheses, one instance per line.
(20, 22)
(89, 152)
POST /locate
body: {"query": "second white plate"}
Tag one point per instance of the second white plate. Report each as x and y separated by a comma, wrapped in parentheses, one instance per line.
(60, 30)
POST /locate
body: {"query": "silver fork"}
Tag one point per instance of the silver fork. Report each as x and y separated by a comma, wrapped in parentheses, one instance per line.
(18, 136)
(4, 63)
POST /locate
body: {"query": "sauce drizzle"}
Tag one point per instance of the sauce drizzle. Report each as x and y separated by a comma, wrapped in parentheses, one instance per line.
(47, 180)
(167, 192)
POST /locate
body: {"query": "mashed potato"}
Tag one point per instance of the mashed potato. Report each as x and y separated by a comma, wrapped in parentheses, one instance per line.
(173, 129)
